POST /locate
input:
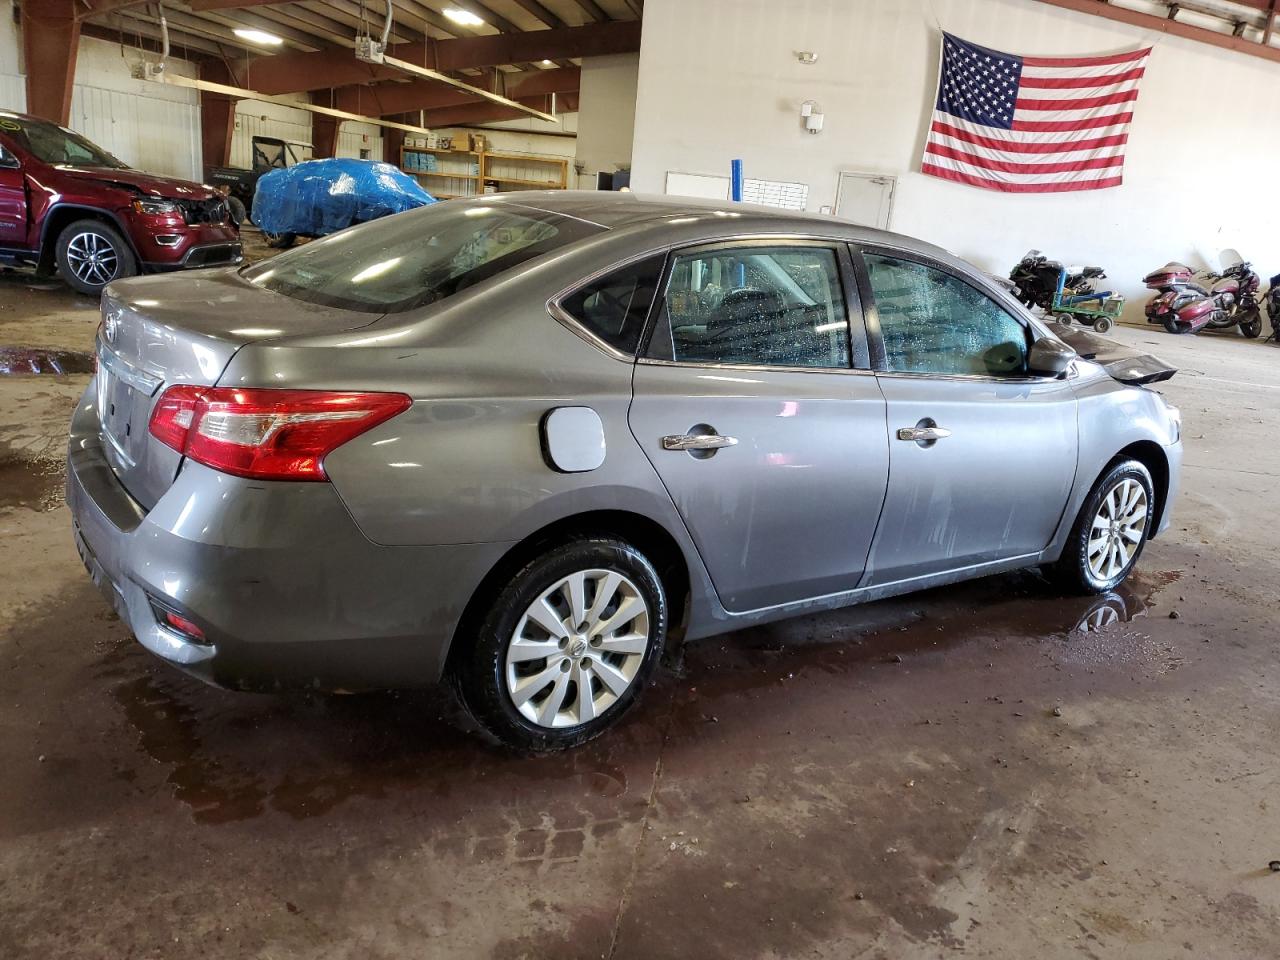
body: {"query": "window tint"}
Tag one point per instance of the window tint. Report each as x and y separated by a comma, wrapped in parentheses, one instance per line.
(934, 323)
(615, 307)
(780, 306)
(415, 258)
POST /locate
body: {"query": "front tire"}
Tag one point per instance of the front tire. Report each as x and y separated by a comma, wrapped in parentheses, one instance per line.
(90, 254)
(566, 646)
(1110, 531)
(1251, 325)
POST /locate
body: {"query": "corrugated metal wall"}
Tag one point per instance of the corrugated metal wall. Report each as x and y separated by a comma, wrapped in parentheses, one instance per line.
(152, 134)
(255, 118)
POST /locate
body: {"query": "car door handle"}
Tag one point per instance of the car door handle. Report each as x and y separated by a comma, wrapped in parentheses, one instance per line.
(698, 441)
(923, 434)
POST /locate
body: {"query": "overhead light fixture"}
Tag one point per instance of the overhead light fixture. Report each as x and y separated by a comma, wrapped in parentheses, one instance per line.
(547, 63)
(464, 17)
(258, 36)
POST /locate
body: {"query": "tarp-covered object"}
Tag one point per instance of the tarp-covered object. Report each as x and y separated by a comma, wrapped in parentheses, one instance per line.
(318, 197)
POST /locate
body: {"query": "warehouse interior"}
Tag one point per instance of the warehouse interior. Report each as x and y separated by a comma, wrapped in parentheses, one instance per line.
(989, 768)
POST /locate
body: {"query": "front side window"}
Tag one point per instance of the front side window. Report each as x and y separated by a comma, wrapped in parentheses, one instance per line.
(772, 306)
(616, 306)
(933, 322)
(415, 258)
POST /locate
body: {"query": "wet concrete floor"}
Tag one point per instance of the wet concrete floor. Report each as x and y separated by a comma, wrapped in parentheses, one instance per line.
(988, 770)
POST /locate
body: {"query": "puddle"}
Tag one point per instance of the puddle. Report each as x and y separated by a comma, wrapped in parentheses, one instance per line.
(230, 757)
(44, 360)
(31, 484)
(233, 756)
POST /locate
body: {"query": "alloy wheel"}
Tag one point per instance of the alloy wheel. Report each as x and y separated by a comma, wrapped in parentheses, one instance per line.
(577, 648)
(92, 258)
(1118, 528)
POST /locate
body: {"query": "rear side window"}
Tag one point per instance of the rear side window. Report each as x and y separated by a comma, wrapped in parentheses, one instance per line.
(756, 305)
(615, 306)
(416, 258)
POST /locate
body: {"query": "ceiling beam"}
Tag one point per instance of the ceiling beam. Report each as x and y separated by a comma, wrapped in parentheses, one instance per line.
(478, 113)
(1099, 8)
(594, 11)
(202, 5)
(228, 22)
(298, 72)
(536, 9)
(179, 49)
(383, 99)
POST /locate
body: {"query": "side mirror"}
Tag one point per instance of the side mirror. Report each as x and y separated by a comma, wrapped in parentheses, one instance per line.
(8, 161)
(1049, 357)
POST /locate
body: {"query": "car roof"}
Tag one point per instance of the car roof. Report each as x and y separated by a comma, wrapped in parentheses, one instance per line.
(634, 212)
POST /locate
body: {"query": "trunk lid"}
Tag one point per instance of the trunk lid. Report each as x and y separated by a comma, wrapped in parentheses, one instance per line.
(159, 331)
(1121, 363)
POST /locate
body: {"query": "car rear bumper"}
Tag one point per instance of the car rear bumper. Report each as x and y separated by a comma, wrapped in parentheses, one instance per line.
(286, 589)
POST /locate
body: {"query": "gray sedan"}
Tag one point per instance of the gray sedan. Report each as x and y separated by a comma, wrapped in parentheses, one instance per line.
(518, 441)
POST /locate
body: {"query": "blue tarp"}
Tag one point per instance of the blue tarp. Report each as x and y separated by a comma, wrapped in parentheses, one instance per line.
(318, 197)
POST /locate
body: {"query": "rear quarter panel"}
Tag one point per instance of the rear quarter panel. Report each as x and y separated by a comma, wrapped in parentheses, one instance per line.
(465, 463)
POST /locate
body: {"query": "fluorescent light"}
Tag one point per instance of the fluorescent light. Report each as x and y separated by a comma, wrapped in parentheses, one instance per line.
(258, 36)
(547, 63)
(464, 17)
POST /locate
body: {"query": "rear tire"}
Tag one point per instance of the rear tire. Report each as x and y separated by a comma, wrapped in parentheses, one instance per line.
(1110, 531)
(539, 681)
(280, 241)
(90, 254)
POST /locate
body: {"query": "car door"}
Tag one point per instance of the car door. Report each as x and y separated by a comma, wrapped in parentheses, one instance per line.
(13, 200)
(981, 452)
(754, 403)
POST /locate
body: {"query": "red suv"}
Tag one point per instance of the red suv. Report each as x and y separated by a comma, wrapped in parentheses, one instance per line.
(66, 202)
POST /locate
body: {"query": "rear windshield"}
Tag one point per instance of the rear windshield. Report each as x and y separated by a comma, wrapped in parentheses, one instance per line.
(416, 258)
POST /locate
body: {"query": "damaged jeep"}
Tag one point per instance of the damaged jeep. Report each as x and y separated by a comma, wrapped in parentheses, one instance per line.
(68, 204)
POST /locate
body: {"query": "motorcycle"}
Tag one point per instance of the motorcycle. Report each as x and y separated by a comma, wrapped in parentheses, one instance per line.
(1183, 304)
(1036, 277)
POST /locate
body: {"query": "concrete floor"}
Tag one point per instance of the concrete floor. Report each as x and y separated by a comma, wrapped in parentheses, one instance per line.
(988, 769)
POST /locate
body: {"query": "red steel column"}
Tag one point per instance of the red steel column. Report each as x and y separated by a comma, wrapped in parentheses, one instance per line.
(217, 116)
(50, 42)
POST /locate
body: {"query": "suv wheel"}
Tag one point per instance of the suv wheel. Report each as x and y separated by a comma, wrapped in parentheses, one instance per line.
(91, 254)
(567, 645)
(1110, 531)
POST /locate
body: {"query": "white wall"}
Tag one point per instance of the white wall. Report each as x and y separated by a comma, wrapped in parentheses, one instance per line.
(719, 79)
(13, 85)
(148, 125)
(606, 113)
(526, 135)
(258, 118)
(354, 137)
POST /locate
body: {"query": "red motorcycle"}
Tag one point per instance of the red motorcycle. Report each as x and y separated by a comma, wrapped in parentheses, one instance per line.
(1183, 303)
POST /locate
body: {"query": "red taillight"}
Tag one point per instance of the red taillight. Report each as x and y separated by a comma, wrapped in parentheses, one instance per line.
(267, 434)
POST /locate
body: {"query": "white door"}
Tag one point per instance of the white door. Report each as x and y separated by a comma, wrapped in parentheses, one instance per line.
(865, 198)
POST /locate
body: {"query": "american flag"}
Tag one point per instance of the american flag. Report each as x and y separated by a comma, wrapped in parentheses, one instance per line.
(1031, 124)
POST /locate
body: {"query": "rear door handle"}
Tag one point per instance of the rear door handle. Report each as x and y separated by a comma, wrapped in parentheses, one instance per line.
(923, 434)
(698, 441)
